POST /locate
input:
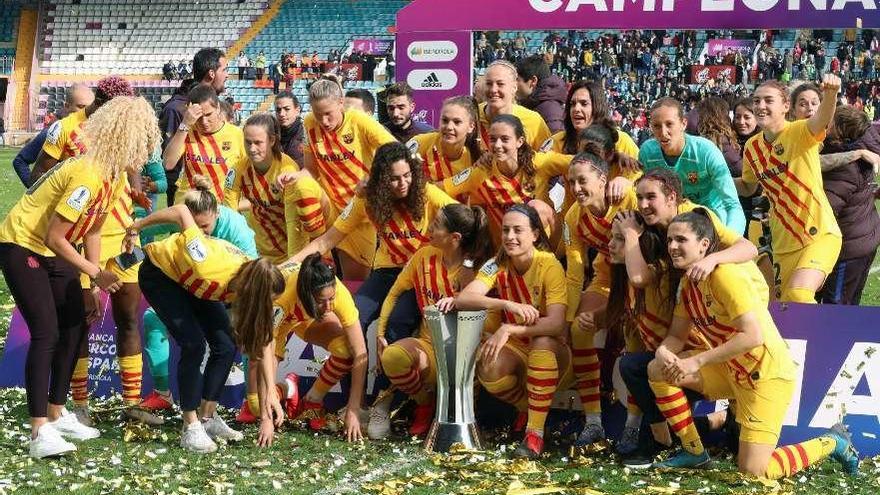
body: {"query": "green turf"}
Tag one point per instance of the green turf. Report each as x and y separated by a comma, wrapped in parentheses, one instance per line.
(126, 460)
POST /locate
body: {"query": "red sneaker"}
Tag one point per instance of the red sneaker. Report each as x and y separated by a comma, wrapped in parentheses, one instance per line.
(245, 415)
(519, 425)
(156, 402)
(422, 419)
(291, 402)
(531, 447)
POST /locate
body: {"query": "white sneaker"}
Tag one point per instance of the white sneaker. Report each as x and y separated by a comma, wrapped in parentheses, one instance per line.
(195, 439)
(217, 428)
(49, 443)
(70, 427)
(379, 426)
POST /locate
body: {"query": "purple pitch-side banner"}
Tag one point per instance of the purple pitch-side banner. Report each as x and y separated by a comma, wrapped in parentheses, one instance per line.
(371, 46)
(436, 65)
(716, 46)
(530, 15)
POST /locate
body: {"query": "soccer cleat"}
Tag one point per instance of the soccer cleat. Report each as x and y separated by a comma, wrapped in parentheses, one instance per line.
(638, 459)
(629, 441)
(379, 425)
(422, 419)
(591, 434)
(292, 401)
(245, 416)
(141, 415)
(684, 460)
(844, 451)
(531, 447)
(70, 427)
(49, 443)
(313, 413)
(196, 439)
(83, 416)
(157, 402)
(216, 428)
(519, 425)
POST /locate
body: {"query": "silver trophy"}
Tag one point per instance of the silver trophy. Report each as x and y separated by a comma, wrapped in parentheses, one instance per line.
(456, 336)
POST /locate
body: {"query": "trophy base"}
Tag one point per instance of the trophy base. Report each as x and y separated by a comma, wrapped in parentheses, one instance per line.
(442, 436)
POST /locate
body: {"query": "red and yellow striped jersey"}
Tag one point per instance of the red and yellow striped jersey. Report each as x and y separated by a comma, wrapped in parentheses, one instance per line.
(72, 189)
(653, 320)
(201, 264)
(496, 192)
(625, 145)
(64, 137)
(537, 132)
(304, 203)
(343, 157)
(213, 156)
(713, 306)
(401, 236)
(289, 314)
(436, 165)
(266, 217)
(789, 171)
(429, 277)
(542, 285)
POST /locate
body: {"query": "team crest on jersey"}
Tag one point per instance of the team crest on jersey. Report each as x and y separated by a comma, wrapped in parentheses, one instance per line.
(197, 251)
(489, 268)
(547, 146)
(277, 316)
(230, 178)
(54, 132)
(460, 178)
(227, 145)
(348, 138)
(79, 198)
(693, 177)
(778, 149)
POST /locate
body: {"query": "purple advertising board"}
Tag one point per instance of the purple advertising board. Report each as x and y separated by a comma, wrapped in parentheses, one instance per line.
(531, 15)
(716, 46)
(436, 65)
(371, 46)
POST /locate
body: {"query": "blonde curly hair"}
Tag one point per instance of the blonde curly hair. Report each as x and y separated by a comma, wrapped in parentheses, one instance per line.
(121, 136)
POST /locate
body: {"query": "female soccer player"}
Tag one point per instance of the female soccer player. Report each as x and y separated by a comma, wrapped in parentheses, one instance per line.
(784, 160)
(748, 361)
(588, 226)
(455, 146)
(524, 358)
(512, 174)
(284, 220)
(500, 86)
(319, 309)
(459, 241)
(40, 261)
(187, 278)
(698, 162)
(587, 105)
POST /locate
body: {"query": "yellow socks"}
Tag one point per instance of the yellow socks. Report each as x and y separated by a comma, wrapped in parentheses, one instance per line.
(585, 363)
(79, 382)
(509, 390)
(793, 458)
(675, 408)
(131, 372)
(543, 377)
(337, 366)
(798, 295)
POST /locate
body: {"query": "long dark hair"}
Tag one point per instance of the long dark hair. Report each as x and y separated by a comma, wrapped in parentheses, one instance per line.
(255, 285)
(525, 155)
(669, 182)
(600, 112)
(472, 141)
(700, 222)
(273, 130)
(542, 243)
(381, 202)
(314, 275)
(472, 223)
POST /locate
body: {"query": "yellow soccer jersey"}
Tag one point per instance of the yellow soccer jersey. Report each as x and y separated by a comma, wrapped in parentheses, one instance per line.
(401, 236)
(713, 304)
(436, 166)
(201, 264)
(289, 314)
(343, 157)
(266, 217)
(64, 137)
(72, 189)
(537, 132)
(431, 280)
(788, 170)
(583, 230)
(541, 285)
(653, 319)
(625, 145)
(304, 213)
(213, 156)
(726, 236)
(496, 192)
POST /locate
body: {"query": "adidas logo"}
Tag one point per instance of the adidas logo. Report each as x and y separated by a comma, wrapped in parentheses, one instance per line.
(432, 81)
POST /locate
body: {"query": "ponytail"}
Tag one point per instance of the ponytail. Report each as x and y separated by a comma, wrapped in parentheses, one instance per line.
(591, 158)
(314, 275)
(699, 220)
(256, 284)
(200, 199)
(273, 130)
(472, 141)
(472, 223)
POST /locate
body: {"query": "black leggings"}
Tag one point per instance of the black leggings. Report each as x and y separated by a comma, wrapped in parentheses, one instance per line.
(47, 291)
(191, 321)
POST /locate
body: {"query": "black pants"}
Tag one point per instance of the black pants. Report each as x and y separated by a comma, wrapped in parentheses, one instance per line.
(846, 282)
(191, 321)
(47, 291)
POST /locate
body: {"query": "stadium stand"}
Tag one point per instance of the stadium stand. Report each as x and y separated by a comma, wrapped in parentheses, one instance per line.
(9, 15)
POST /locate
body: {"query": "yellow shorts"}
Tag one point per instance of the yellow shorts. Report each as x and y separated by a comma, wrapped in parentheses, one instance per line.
(820, 255)
(283, 333)
(111, 247)
(429, 377)
(360, 245)
(760, 410)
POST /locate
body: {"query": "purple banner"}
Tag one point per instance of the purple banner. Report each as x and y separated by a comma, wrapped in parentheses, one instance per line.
(436, 65)
(371, 46)
(716, 46)
(531, 15)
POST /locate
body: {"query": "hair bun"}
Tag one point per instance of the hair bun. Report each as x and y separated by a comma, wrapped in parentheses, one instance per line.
(202, 183)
